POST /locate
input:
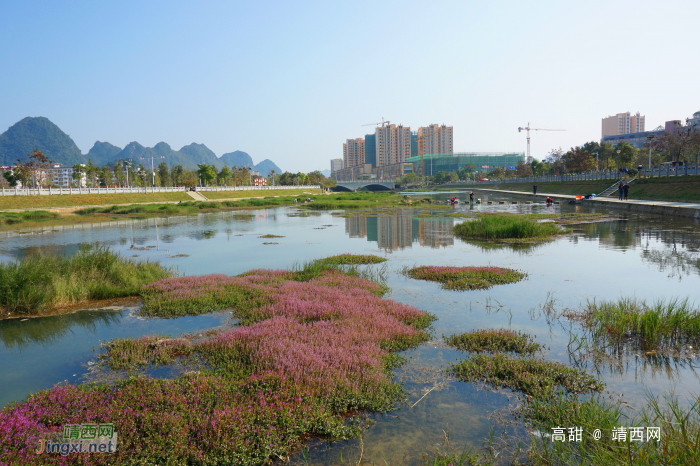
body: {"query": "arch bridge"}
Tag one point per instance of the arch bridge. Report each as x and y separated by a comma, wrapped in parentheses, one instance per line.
(371, 185)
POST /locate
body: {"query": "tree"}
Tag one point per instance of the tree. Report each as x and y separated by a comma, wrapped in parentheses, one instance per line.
(496, 173)
(164, 174)
(271, 177)
(37, 167)
(18, 175)
(328, 183)
(78, 173)
(577, 160)
(105, 176)
(680, 145)
(92, 173)
(315, 177)
(207, 173)
(224, 176)
(176, 175)
(556, 159)
(627, 153)
(188, 178)
(119, 173)
(522, 169)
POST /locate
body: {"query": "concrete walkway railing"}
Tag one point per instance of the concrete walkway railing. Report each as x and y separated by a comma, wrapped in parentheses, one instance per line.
(138, 189)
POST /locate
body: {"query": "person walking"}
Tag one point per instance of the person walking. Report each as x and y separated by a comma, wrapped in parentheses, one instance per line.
(534, 189)
(626, 190)
(621, 189)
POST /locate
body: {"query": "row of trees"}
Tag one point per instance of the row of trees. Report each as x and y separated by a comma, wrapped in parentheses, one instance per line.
(299, 179)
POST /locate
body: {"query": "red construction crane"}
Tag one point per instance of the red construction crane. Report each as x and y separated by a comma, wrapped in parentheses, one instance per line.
(528, 129)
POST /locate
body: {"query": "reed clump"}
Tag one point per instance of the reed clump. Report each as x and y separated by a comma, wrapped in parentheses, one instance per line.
(639, 324)
(40, 283)
(465, 278)
(14, 218)
(506, 227)
(493, 341)
(353, 259)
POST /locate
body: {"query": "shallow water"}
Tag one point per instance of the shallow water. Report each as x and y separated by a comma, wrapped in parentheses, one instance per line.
(638, 255)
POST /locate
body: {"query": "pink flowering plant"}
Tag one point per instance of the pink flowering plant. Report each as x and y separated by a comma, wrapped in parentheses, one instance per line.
(306, 355)
(465, 278)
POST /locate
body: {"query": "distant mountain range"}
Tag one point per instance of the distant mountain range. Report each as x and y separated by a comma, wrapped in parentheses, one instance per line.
(40, 133)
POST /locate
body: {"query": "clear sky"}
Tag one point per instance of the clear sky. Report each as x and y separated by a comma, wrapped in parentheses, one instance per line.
(291, 80)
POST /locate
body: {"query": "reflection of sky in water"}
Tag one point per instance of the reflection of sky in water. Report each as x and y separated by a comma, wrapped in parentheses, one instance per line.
(645, 256)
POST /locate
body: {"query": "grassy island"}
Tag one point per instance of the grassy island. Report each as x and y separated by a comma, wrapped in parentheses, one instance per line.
(506, 227)
(465, 278)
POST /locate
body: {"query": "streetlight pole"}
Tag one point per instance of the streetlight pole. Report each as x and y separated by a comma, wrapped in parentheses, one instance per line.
(596, 161)
(650, 138)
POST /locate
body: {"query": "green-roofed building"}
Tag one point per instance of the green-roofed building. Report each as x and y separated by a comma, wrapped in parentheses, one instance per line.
(483, 161)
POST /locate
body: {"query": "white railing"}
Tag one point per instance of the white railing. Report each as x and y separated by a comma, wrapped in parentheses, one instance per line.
(661, 171)
(138, 189)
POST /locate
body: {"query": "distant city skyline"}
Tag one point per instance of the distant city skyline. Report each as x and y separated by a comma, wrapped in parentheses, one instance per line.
(222, 74)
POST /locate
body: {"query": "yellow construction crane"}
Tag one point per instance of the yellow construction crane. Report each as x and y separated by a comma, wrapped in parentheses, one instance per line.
(377, 124)
(528, 129)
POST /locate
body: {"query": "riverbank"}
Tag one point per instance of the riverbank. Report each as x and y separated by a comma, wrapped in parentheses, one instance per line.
(20, 203)
(680, 189)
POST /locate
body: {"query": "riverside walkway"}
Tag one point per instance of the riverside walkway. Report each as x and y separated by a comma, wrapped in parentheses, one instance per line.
(679, 209)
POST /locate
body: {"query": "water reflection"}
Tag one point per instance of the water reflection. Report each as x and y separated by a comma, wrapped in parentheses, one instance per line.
(17, 334)
(400, 230)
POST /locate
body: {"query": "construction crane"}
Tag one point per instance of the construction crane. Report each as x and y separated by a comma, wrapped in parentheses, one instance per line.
(377, 124)
(528, 129)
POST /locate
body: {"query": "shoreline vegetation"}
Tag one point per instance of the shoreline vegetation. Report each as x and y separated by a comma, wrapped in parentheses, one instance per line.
(314, 349)
(44, 283)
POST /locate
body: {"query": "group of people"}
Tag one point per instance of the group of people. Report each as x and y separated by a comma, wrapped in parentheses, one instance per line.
(624, 189)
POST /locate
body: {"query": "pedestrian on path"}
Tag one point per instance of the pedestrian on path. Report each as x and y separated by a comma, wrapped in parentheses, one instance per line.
(621, 188)
(534, 189)
(626, 190)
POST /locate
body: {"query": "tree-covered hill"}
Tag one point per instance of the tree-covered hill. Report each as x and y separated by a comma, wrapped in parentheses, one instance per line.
(38, 133)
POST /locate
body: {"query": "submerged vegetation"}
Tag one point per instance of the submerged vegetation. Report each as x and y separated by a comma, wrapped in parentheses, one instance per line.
(40, 283)
(465, 278)
(494, 341)
(506, 227)
(306, 355)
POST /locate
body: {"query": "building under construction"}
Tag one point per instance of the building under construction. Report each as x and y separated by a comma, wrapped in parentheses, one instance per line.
(452, 162)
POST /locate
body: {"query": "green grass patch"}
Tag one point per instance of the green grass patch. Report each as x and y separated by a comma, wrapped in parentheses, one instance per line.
(40, 283)
(269, 235)
(75, 200)
(465, 278)
(637, 324)
(493, 341)
(532, 376)
(500, 227)
(14, 218)
(352, 259)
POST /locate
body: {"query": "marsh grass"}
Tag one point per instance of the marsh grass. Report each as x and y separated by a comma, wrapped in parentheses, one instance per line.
(353, 259)
(43, 282)
(128, 353)
(464, 278)
(269, 235)
(634, 323)
(532, 376)
(506, 227)
(494, 341)
(679, 429)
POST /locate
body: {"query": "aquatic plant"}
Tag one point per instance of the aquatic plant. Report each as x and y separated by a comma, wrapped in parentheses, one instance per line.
(493, 341)
(506, 227)
(39, 283)
(532, 376)
(269, 235)
(352, 259)
(127, 353)
(638, 324)
(309, 353)
(465, 278)
(679, 430)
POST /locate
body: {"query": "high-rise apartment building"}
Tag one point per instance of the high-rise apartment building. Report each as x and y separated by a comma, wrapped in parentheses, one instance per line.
(623, 123)
(435, 139)
(393, 144)
(353, 152)
(336, 164)
(371, 149)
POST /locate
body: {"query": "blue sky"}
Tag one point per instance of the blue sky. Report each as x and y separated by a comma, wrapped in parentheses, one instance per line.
(290, 81)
